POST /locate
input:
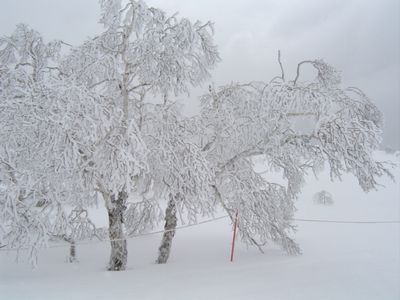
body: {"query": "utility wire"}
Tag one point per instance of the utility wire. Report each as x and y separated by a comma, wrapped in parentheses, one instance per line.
(131, 236)
(346, 222)
(196, 224)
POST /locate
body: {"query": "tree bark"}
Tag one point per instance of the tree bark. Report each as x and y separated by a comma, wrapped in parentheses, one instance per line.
(119, 251)
(72, 252)
(170, 227)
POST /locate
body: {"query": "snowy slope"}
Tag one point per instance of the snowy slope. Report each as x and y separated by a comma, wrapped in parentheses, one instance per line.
(339, 261)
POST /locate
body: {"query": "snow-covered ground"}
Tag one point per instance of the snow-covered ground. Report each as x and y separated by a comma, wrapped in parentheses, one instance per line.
(339, 261)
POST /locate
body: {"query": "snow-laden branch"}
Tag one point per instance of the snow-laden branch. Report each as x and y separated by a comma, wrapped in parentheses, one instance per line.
(242, 121)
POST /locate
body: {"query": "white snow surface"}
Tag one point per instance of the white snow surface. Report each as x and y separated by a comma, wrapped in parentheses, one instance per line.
(339, 261)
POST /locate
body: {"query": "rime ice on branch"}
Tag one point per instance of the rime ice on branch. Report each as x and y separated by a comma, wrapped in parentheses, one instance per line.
(243, 121)
(47, 121)
(89, 118)
(142, 52)
(98, 123)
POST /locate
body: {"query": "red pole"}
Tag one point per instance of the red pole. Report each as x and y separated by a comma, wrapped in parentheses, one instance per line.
(234, 237)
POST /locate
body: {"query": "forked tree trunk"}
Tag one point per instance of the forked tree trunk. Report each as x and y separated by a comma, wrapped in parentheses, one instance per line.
(119, 251)
(170, 227)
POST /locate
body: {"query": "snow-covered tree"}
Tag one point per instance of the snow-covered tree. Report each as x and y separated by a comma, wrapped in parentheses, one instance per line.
(323, 198)
(142, 54)
(98, 121)
(244, 121)
(44, 119)
(179, 170)
(76, 120)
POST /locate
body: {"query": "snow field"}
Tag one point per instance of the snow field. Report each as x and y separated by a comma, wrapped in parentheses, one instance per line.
(339, 261)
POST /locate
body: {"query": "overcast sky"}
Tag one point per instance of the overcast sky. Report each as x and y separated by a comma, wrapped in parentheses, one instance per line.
(359, 37)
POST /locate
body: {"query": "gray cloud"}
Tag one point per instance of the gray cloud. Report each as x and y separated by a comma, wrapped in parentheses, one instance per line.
(361, 38)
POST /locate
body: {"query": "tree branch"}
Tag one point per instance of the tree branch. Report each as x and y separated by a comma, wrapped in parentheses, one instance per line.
(298, 69)
(280, 64)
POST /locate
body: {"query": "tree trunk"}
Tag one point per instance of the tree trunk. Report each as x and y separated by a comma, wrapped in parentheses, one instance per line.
(119, 251)
(170, 226)
(72, 252)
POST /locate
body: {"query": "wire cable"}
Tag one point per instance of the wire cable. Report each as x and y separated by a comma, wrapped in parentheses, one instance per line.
(89, 242)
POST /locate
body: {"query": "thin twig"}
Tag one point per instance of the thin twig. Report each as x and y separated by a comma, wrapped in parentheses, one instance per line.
(298, 69)
(280, 64)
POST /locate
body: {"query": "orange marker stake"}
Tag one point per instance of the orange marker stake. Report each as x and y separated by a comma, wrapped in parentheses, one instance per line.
(234, 236)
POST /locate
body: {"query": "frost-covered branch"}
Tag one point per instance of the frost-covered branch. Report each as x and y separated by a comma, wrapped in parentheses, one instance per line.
(242, 121)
